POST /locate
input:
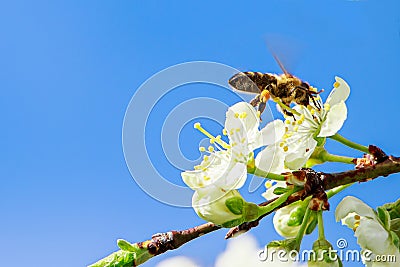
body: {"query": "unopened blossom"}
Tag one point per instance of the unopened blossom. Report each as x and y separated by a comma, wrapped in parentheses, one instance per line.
(369, 230)
(287, 220)
(313, 124)
(210, 205)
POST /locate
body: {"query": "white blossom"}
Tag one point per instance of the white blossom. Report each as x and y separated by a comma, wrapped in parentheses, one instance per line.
(313, 125)
(369, 230)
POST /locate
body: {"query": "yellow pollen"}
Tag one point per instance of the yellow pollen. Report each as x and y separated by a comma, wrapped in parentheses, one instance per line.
(309, 107)
(286, 129)
(357, 217)
(243, 115)
(312, 111)
(287, 121)
(268, 184)
(243, 140)
(281, 144)
(212, 141)
(201, 184)
(197, 125)
(327, 107)
(302, 117)
(206, 178)
(300, 121)
(285, 148)
(293, 123)
(336, 84)
(197, 167)
(296, 128)
(237, 129)
(210, 149)
(236, 115)
(206, 158)
(258, 114)
(202, 149)
(224, 132)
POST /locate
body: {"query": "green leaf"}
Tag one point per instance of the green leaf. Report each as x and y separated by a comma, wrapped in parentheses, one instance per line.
(280, 190)
(395, 239)
(126, 246)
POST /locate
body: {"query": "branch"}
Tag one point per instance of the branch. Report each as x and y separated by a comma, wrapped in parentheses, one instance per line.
(135, 254)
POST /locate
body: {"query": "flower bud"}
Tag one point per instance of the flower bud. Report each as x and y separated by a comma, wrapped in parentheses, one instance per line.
(324, 255)
(287, 220)
(219, 207)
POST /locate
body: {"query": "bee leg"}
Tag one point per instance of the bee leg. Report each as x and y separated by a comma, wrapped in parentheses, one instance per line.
(255, 101)
(318, 105)
(261, 107)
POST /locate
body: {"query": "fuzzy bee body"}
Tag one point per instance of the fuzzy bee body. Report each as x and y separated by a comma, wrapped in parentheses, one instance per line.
(285, 87)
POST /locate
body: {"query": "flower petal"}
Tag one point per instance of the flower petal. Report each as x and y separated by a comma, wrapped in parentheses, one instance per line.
(271, 159)
(298, 154)
(250, 122)
(269, 193)
(340, 93)
(351, 204)
(334, 120)
(271, 133)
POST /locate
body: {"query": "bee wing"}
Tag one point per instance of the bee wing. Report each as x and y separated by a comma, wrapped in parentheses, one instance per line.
(243, 83)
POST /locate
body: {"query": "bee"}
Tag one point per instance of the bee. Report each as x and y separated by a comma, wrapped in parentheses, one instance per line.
(284, 89)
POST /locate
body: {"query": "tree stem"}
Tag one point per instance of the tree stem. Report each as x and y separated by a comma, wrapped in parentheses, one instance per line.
(349, 143)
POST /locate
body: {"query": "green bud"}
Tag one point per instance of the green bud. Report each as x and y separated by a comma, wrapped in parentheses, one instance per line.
(324, 255)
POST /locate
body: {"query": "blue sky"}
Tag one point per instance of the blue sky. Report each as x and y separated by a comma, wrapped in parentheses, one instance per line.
(68, 70)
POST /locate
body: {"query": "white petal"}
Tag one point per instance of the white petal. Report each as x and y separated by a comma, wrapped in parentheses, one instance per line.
(371, 235)
(340, 93)
(250, 122)
(300, 153)
(334, 120)
(271, 159)
(351, 204)
(271, 133)
(234, 178)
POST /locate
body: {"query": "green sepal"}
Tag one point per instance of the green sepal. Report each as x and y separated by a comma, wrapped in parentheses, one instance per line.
(120, 258)
(233, 223)
(384, 216)
(297, 215)
(251, 212)
(393, 209)
(280, 190)
(287, 244)
(395, 226)
(235, 205)
(126, 246)
(313, 221)
(395, 239)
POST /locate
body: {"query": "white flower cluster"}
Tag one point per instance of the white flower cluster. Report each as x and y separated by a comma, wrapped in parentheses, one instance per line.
(287, 145)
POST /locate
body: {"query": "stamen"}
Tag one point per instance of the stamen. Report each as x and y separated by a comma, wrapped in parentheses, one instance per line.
(202, 149)
(327, 107)
(206, 178)
(224, 132)
(213, 139)
(285, 148)
(210, 149)
(336, 84)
